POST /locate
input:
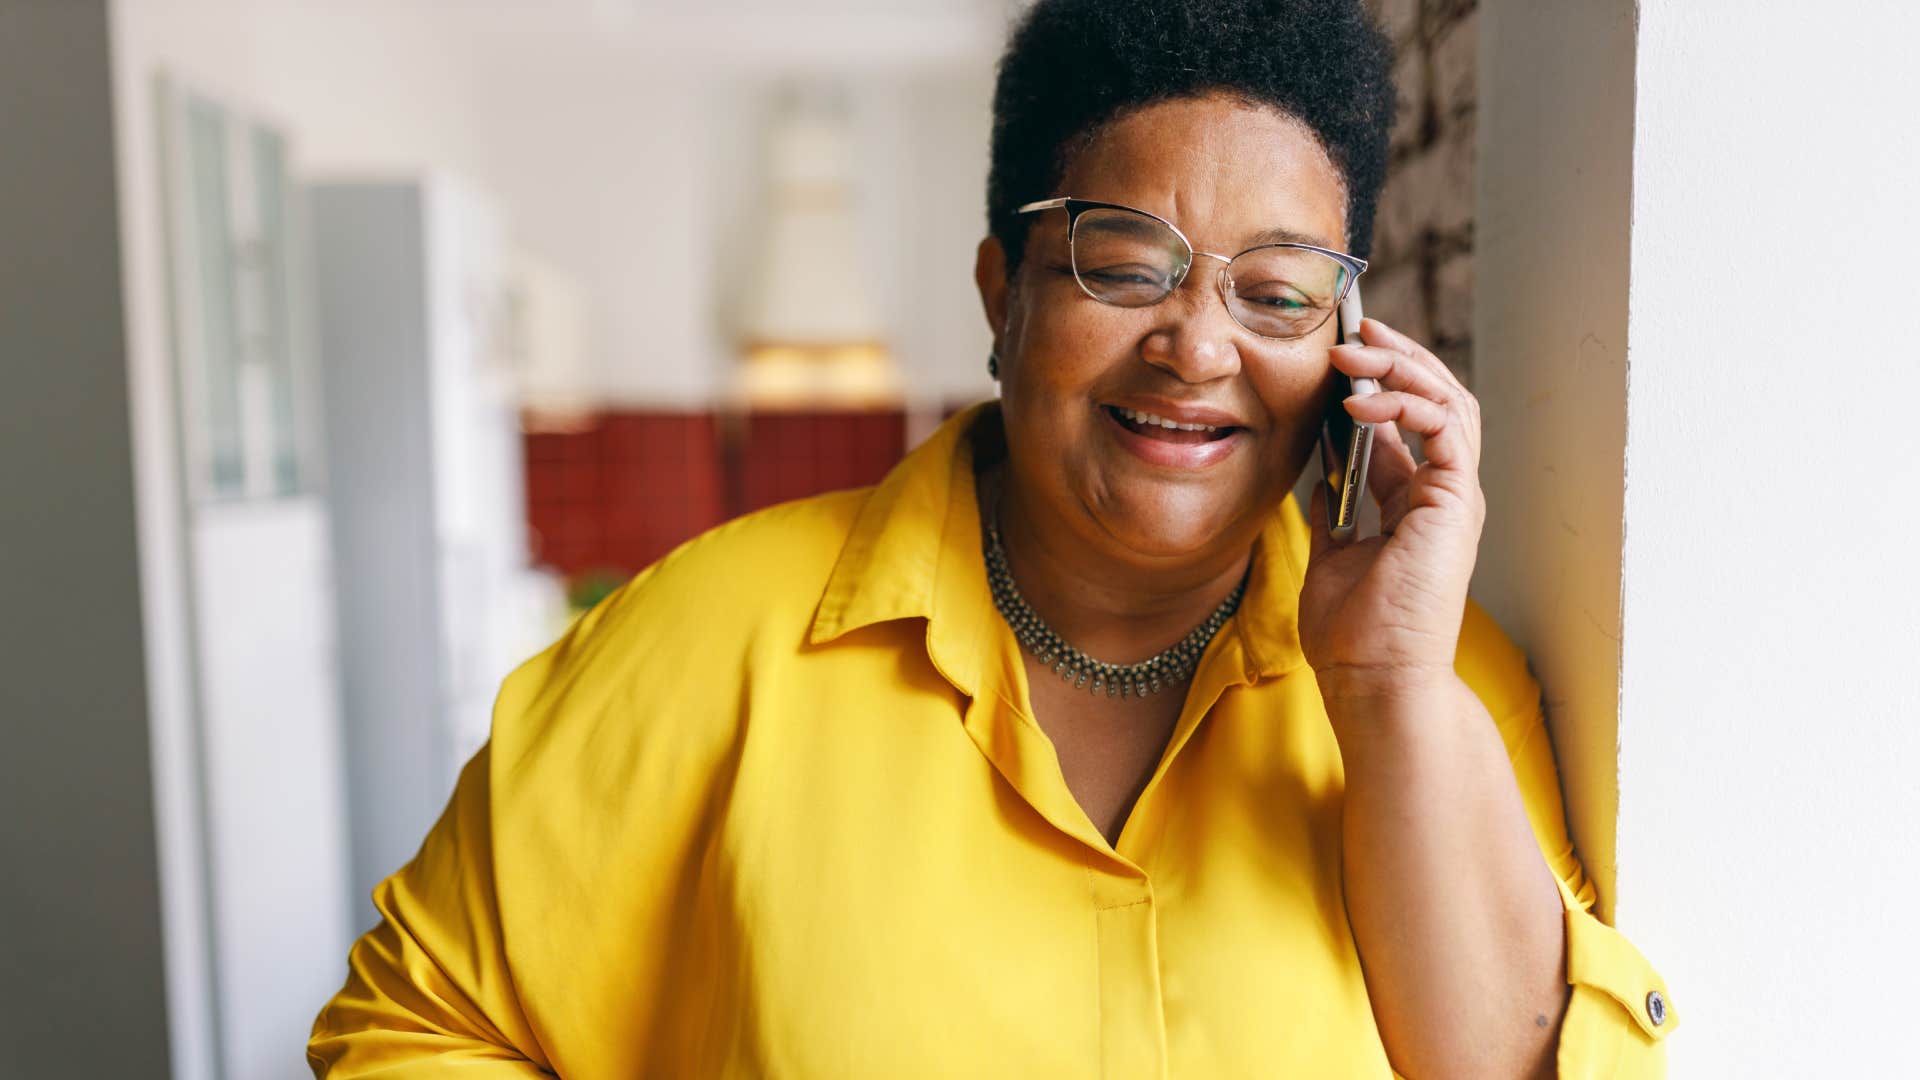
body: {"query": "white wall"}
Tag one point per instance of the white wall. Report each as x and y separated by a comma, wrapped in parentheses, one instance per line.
(602, 168)
(1699, 218)
(1770, 711)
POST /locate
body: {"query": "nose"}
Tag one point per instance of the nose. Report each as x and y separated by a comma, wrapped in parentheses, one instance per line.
(1194, 337)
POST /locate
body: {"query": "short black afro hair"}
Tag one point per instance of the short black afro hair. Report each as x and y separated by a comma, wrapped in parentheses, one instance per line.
(1073, 66)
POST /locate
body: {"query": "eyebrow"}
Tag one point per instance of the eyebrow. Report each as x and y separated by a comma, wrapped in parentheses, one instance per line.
(1285, 236)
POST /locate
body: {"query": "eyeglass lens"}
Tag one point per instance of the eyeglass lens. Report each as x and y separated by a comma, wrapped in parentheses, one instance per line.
(1132, 260)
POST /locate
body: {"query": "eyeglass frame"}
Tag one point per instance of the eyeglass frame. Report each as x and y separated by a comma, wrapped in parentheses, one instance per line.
(1076, 206)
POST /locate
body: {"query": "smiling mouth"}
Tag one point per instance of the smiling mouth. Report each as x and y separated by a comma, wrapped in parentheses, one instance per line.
(1154, 427)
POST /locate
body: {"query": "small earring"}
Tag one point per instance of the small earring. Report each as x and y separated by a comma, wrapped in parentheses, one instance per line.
(993, 365)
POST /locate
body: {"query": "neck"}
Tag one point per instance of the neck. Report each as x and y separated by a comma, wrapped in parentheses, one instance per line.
(1112, 608)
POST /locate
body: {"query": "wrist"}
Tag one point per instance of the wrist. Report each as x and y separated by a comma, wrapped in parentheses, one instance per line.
(1353, 693)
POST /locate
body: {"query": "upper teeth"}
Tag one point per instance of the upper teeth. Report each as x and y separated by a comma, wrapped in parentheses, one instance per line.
(1139, 417)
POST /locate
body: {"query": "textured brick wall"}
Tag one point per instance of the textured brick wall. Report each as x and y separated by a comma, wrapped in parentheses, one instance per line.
(1421, 277)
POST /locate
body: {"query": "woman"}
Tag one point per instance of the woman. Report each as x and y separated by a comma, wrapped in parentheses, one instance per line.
(812, 797)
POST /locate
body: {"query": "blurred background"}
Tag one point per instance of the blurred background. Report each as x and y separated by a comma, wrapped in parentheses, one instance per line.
(350, 348)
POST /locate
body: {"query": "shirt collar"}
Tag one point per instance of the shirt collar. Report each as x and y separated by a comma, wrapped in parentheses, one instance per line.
(914, 551)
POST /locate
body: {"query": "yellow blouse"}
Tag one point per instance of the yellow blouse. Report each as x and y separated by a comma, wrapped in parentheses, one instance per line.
(779, 808)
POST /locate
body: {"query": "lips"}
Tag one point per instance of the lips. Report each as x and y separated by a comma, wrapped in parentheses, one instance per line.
(1187, 439)
(1154, 426)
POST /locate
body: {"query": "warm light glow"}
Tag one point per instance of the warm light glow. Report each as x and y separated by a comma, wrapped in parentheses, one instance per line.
(556, 421)
(804, 376)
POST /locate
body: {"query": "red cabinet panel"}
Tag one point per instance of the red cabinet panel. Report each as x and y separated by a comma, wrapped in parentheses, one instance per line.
(629, 487)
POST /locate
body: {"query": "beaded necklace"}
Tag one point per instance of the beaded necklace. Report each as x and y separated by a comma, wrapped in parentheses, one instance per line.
(1168, 668)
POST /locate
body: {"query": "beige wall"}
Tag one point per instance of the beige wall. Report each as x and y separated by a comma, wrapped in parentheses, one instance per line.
(1557, 129)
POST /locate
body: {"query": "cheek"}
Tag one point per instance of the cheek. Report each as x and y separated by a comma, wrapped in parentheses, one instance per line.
(1062, 349)
(1293, 390)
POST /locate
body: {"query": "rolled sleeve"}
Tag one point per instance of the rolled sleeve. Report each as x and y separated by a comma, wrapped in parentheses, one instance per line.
(1620, 1010)
(1614, 1027)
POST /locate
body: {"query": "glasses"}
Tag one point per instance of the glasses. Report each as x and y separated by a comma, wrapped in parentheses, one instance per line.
(1130, 258)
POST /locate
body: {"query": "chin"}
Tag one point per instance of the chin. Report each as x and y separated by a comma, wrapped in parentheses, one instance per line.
(1170, 528)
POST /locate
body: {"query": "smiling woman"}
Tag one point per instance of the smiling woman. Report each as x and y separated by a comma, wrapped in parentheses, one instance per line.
(1073, 748)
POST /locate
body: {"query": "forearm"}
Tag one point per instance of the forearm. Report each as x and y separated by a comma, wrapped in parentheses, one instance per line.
(1457, 918)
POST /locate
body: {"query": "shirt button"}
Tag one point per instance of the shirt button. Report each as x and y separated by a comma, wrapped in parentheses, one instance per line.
(1656, 1008)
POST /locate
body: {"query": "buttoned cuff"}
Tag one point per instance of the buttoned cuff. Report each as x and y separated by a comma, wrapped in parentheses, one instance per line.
(1620, 1011)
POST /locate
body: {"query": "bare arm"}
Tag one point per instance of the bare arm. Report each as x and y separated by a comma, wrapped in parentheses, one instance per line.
(1458, 920)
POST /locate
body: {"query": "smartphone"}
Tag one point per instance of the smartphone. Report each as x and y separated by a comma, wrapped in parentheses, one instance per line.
(1346, 447)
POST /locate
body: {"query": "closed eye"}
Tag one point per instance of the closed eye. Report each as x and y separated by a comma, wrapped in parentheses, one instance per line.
(1134, 274)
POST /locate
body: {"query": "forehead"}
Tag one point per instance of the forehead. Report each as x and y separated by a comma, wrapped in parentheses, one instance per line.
(1221, 169)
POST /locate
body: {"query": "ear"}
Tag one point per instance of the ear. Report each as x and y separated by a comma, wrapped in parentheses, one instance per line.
(990, 276)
